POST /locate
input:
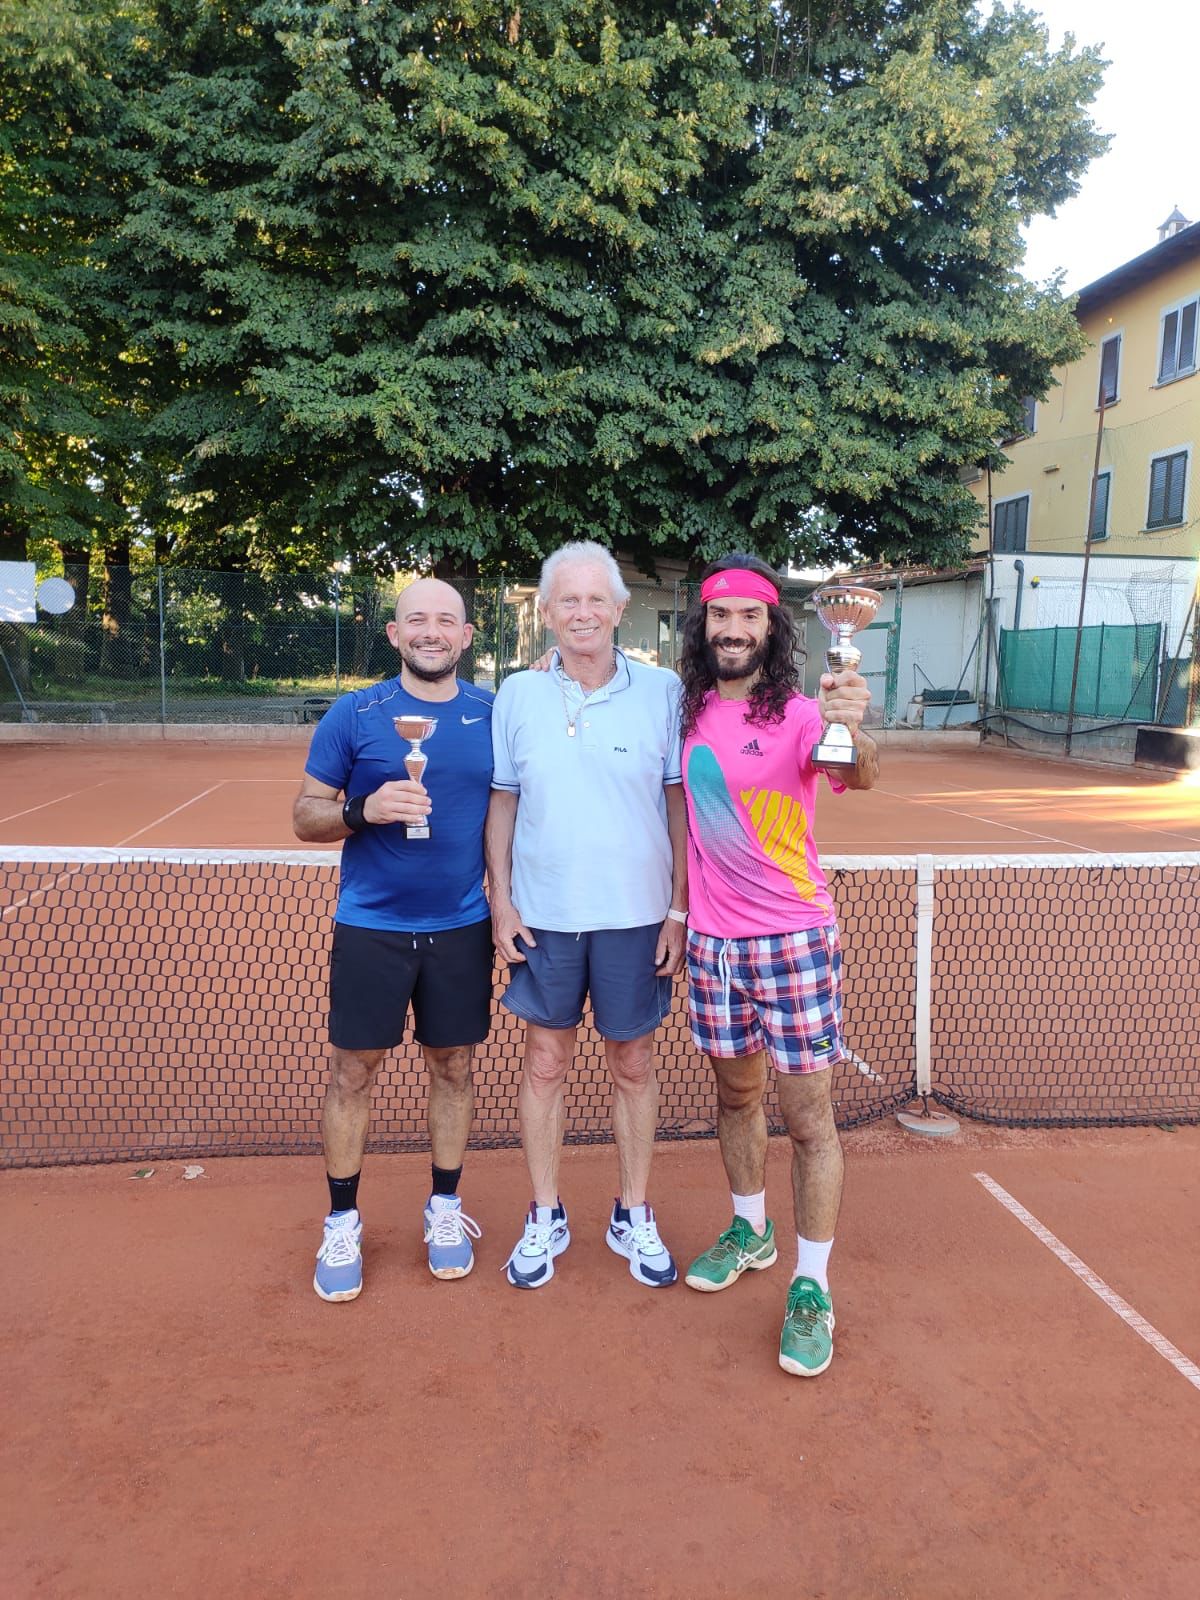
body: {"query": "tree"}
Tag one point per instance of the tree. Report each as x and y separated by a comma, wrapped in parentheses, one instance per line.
(466, 280)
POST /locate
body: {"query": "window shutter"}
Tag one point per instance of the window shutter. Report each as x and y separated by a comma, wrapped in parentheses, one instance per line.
(1166, 361)
(1110, 358)
(1175, 485)
(1099, 523)
(1187, 338)
(1158, 492)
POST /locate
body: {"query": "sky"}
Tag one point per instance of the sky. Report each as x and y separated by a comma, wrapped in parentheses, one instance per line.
(1149, 105)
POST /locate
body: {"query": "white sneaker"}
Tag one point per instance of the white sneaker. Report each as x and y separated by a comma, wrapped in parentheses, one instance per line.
(532, 1262)
(649, 1259)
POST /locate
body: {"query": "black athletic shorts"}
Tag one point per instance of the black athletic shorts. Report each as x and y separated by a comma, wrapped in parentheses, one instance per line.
(374, 974)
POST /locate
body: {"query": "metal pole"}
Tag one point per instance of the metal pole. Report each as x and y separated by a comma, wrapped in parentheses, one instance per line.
(337, 634)
(162, 652)
(1087, 556)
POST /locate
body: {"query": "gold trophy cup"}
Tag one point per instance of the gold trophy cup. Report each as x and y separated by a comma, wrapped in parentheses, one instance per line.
(416, 730)
(845, 609)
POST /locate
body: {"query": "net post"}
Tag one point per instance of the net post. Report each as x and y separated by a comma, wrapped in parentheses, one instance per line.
(926, 1121)
(924, 971)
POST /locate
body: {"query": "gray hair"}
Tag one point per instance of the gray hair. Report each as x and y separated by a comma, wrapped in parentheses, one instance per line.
(583, 552)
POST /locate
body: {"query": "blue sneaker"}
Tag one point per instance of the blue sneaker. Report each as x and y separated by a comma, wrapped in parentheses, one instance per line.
(339, 1260)
(532, 1262)
(448, 1233)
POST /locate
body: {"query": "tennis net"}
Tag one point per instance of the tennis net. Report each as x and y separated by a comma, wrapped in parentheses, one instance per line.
(172, 1003)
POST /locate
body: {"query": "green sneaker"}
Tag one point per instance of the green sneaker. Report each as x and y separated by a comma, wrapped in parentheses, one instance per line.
(806, 1343)
(739, 1249)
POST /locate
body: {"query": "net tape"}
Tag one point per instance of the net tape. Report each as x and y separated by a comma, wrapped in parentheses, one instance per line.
(172, 1003)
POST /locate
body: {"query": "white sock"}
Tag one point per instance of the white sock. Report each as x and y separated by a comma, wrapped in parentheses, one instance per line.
(637, 1214)
(812, 1260)
(753, 1207)
(542, 1213)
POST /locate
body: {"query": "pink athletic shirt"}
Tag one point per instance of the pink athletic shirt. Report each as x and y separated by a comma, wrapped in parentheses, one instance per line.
(751, 796)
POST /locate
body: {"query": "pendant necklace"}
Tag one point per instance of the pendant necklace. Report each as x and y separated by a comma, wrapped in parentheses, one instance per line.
(572, 721)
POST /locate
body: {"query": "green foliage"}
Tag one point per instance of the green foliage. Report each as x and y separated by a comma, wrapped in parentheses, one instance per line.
(464, 281)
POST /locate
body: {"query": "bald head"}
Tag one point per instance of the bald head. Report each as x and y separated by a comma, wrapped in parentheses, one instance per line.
(430, 595)
(430, 631)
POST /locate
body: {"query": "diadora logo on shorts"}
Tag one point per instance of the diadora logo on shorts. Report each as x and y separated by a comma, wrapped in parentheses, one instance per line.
(822, 1046)
(752, 749)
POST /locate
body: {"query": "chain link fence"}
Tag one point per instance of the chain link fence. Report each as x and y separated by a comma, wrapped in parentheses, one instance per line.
(177, 645)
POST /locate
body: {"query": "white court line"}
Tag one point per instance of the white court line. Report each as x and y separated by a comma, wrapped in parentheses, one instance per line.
(64, 876)
(57, 801)
(1084, 1273)
(167, 815)
(1050, 838)
(867, 1072)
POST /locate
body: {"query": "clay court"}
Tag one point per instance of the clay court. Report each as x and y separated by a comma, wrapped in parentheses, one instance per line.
(1012, 1409)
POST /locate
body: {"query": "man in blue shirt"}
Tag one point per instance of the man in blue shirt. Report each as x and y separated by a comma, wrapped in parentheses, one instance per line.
(586, 855)
(412, 923)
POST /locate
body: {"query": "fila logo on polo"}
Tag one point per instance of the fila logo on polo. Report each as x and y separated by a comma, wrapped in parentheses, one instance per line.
(751, 749)
(467, 721)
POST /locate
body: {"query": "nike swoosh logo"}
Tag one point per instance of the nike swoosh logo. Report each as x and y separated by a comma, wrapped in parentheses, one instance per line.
(467, 721)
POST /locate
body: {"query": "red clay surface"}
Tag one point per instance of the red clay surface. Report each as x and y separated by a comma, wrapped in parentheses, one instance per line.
(240, 797)
(186, 1418)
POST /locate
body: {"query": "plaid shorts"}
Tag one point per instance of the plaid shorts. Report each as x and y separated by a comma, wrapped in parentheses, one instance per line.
(780, 993)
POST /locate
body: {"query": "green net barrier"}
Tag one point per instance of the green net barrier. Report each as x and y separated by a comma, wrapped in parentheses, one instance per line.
(1117, 676)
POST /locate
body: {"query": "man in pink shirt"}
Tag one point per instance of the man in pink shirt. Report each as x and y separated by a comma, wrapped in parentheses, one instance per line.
(764, 962)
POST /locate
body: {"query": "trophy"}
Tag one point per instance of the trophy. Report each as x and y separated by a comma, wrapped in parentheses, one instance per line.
(416, 729)
(844, 609)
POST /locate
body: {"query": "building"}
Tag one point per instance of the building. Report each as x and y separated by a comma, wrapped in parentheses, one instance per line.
(1134, 395)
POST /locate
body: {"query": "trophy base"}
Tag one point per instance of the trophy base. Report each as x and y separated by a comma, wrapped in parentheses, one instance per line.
(417, 830)
(835, 749)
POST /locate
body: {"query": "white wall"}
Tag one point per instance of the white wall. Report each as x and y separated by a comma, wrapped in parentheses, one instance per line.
(1120, 590)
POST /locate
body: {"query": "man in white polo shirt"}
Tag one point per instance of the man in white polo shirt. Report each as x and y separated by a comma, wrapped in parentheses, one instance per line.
(586, 846)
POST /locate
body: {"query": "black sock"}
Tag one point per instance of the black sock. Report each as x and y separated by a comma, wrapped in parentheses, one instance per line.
(445, 1179)
(343, 1193)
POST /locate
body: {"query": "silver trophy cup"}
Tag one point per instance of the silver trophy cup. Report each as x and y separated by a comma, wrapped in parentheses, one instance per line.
(844, 609)
(416, 730)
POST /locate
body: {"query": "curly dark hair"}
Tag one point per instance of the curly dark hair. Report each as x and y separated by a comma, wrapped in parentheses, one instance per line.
(779, 679)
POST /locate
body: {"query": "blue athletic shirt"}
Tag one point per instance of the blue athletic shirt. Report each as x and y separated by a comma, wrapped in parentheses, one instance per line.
(388, 881)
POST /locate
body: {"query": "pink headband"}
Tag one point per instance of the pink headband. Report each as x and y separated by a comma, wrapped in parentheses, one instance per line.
(736, 583)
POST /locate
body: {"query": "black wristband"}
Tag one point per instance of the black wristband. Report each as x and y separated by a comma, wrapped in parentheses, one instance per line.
(352, 813)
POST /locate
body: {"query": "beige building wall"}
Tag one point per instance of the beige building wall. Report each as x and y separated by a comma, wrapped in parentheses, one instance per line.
(1148, 418)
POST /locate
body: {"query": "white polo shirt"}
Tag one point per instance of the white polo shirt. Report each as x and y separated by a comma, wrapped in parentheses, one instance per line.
(591, 848)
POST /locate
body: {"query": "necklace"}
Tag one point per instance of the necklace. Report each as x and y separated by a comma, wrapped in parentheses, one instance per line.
(573, 721)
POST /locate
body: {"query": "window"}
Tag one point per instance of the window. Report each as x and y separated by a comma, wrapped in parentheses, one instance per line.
(1177, 356)
(1110, 370)
(1010, 519)
(1028, 415)
(1098, 528)
(1168, 477)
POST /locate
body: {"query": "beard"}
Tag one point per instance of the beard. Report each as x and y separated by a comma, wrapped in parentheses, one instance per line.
(431, 674)
(746, 668)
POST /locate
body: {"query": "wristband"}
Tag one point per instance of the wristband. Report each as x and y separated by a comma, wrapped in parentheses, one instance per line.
(352, 813)
(677, 916)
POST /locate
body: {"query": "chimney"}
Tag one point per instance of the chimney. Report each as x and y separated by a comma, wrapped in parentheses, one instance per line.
(1174, 224)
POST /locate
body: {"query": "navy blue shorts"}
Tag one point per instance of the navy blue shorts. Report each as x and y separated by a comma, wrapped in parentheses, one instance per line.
(613, 965)
(375, 975)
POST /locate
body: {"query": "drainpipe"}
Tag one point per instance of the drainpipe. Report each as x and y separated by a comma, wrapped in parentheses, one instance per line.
(1019, 569)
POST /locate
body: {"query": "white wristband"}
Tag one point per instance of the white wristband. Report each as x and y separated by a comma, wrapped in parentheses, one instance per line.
(677, 916)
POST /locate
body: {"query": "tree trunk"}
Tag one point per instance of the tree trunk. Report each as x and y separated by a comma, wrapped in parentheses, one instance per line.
(117, 649)
(462, 573)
